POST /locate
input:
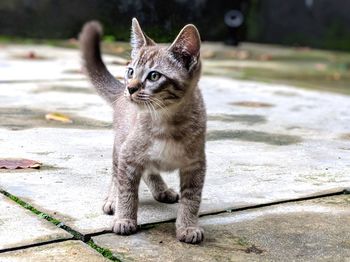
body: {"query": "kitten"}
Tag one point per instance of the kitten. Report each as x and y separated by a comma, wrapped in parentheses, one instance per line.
(160, 125)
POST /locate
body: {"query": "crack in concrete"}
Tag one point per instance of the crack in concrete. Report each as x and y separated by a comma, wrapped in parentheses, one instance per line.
(34, 245)
(231, 210)
(87, 238)
(76, 235)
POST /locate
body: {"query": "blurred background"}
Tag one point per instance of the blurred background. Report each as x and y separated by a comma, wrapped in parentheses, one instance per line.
(317, 23)
(265, 40)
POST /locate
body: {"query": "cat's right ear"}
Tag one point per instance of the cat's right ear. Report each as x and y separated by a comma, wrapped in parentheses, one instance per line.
(138, 38)
(186, 47)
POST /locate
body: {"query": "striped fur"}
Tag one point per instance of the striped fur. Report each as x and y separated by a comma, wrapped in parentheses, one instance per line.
(160, 125)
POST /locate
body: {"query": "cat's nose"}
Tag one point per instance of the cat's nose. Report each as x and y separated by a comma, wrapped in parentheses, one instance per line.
(132, 89)
(133, 86)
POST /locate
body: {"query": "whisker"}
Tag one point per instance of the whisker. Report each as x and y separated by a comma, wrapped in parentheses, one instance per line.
(155, 111)
(149, 110)
(161, 105)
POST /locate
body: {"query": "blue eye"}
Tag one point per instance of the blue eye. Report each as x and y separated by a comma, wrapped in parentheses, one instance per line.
(153, 76)
(130, 73)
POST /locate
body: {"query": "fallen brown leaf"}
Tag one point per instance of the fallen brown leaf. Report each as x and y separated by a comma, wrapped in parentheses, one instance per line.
(265, 57)
(10, 163)
(321, 66)
(243, 55)
(31, 55)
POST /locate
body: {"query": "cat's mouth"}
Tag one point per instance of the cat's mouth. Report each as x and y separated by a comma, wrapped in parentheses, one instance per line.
(140, 99)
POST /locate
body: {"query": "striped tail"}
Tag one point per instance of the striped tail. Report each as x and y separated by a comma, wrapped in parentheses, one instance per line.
(106, 85)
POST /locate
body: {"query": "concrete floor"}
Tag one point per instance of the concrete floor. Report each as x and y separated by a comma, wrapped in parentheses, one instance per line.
(268, 147)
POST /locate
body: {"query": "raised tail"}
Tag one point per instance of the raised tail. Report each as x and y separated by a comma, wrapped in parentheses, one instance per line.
(106, 85)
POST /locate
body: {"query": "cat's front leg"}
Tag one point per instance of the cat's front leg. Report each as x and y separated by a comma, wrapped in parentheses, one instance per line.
(192, 181)
(128, 179)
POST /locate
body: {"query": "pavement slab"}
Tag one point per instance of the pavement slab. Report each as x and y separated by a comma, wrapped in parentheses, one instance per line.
(45, 63)
(266, 143)
(19, 227)
(67, 251)
(316, 230)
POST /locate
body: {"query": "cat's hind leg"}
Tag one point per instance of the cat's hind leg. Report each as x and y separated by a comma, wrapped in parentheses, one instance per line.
(110, 201)
(159, 189)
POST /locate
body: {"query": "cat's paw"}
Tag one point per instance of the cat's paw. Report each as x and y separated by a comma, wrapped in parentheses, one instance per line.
(108, 207)
(168, 196)
(190, 235)
(124, 226)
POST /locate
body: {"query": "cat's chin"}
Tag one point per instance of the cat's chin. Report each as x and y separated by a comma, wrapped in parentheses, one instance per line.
(140, 105)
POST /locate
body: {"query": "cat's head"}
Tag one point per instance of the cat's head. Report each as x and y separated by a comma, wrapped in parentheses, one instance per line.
(160, 76)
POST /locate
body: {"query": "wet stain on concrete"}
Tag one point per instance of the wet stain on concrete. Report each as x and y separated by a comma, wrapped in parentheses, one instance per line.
(63, 89)
(286, 93)
(252, 104)
(42, 153)
(293, 127)
(253, 136)
(72, 71)
(244, 119)
(301, 108)
(339, 201)
(345, 136)
(220, 244)
(253, 249)
(24, 118)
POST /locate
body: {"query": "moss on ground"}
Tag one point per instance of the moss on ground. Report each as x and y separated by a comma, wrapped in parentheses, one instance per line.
(103, 251)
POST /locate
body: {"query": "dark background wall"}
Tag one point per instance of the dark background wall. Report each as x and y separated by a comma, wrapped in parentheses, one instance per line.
(162, 19)
(317, 23)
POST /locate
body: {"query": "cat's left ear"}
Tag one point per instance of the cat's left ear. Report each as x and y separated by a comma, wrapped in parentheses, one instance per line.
(138, 38)
(186, 47)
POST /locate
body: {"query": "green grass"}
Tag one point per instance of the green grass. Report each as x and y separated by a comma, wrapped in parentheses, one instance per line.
(103, 251)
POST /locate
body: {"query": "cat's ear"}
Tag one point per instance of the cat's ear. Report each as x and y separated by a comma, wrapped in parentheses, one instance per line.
(186, 47)
(138, 38)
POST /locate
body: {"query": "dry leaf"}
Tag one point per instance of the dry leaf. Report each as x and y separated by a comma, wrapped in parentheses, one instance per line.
(118, 49)
(58, 117)
(31, 55)
(243, 55)
(206, 54)
(336, 76)
(321, 67)
(9, 163)
(265, 57)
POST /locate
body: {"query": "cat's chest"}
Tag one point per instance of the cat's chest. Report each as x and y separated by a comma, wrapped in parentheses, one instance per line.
(168, 154)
